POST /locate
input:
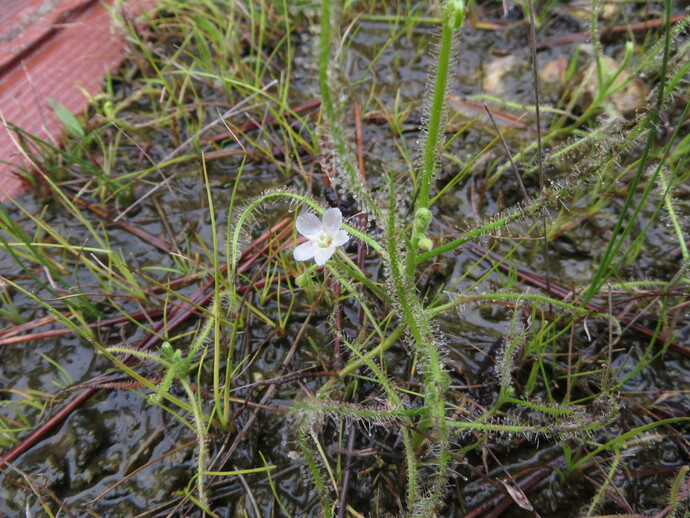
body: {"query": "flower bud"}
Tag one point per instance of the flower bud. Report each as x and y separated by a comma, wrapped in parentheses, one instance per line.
(425, 243)
(422, 219)
(302, 280)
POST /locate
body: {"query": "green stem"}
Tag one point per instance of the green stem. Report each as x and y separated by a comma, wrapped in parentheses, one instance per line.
(453, 16)
(434, 139)
(415, 317)
(215, 315)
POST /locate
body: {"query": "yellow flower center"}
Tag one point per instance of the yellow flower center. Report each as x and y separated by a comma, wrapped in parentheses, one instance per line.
(325, 240)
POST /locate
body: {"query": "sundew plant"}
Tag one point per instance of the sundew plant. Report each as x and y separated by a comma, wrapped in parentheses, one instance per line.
(339, 309)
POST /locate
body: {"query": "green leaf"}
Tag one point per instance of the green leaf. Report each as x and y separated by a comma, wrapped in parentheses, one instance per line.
(67, 118)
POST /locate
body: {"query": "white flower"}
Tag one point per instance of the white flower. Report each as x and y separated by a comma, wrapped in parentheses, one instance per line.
(323, 236)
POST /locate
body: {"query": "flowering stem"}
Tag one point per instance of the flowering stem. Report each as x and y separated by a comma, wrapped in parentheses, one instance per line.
(436, 380)
(453, 16)
(434, 138)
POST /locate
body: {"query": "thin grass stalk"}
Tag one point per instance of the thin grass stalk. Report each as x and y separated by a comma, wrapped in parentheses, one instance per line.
(215, 316)
(619, 233)
(231, 291)
(82, 302)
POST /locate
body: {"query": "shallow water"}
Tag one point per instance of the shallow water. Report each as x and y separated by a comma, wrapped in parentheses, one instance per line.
(119, 456)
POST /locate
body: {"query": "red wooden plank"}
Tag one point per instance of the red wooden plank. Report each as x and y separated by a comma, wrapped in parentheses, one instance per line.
(50, 48)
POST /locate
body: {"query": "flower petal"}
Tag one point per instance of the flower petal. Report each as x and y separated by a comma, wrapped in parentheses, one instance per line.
(332, 220)
(306, 251)
(340, 238)
(323, 254)
(308, 225)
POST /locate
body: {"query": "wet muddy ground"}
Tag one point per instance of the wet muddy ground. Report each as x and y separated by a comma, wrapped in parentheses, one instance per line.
(117, 455)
